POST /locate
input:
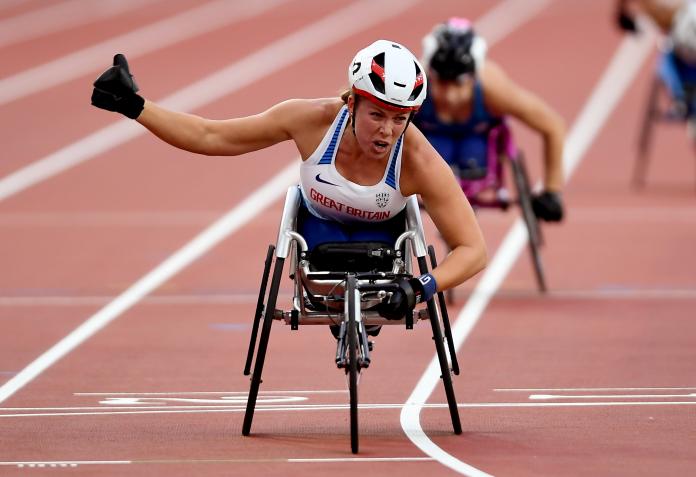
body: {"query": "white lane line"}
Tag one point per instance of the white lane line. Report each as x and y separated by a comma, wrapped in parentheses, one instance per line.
(203, 409)
(544, 397)
(362, 459)
(590, 389)
(204, 393)
(626, 62)
(76, 463)
(61, 16)
(177, 28)
(228, 224)
(282, 53)
(316, 37)
(63, 463)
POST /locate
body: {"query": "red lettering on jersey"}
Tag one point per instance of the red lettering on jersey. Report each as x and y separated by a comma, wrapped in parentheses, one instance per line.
(330, 203)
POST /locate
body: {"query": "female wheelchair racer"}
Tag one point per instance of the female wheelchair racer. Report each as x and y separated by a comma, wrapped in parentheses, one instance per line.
(361, 163)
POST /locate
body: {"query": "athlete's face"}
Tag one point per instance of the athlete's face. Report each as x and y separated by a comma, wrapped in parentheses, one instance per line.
(376, 128)
(452, 94)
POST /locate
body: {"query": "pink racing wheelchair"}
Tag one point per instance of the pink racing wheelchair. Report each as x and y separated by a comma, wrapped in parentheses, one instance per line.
(490, 191)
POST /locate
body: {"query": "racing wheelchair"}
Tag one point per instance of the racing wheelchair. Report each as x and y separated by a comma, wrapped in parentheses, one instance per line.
(671, 99)
(486, 188)
(342, 285)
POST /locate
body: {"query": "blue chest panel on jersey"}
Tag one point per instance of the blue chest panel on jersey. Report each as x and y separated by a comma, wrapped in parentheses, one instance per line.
(463, 145)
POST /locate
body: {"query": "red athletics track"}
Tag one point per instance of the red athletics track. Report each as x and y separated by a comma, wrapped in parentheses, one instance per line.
(617, 324)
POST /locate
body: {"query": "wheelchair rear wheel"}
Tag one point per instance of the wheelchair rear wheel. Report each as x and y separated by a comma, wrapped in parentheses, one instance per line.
(524, 197)
(353, 308)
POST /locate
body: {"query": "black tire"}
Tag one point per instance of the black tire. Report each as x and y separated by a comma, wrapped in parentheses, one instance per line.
(445, 375)
(524, 198)
(445, 316)
(263, 346)
(353, 308)
(259, 309)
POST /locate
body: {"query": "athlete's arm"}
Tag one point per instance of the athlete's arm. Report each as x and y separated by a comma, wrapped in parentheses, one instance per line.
(424, 172)
(505, 97)
(229, 137)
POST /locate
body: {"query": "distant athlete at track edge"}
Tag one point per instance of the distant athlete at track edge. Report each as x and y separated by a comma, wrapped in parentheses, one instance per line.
(676, 19)
(468, 95)
(360, 160)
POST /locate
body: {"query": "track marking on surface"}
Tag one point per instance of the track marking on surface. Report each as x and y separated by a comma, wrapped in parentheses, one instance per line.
(618, 76)
(207, 409)
(591, 389)
(308, 460)
(196, 393)
(316, 37)
(169, 31)
(609, 396)
(61, 16)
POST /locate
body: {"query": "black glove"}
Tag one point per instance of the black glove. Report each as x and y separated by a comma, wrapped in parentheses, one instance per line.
(410, 292)
(115, 90)
(626, 22)
(548, 206)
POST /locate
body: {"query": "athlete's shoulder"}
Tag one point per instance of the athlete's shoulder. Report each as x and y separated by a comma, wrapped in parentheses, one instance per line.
(501, 91)
(313, 110)
(418, 153)
(300, 115)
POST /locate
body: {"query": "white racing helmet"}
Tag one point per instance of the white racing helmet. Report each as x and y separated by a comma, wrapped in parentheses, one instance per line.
(683, 33)
(389, 75)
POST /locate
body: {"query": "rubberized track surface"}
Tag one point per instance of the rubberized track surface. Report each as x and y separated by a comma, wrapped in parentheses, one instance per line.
(596, 378)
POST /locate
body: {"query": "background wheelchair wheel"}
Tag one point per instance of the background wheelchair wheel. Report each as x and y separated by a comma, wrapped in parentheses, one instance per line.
(353, 297)
(650, 117)
(524, 197)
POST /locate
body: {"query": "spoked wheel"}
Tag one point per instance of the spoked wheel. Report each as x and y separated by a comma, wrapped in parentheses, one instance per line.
(353, 307)
(524, 196)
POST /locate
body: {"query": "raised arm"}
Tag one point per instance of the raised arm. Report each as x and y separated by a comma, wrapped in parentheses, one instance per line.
(116, 90)
(228, 137)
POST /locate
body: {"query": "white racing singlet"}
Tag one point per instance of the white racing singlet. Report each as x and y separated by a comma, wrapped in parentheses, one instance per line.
(328, 195)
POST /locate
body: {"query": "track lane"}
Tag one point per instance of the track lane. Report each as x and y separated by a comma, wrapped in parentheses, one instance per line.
(383, 344)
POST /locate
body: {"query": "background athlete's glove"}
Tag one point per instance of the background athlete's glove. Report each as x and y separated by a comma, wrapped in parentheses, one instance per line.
(548, 206)
(626, 22)
(410, 292)
(625, 19)
(115, 90)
